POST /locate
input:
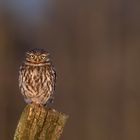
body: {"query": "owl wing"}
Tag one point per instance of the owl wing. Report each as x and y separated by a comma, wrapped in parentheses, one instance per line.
(53, 81)
(54, 77)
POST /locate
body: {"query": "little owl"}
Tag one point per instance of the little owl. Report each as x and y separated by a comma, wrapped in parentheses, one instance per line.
(37, 77)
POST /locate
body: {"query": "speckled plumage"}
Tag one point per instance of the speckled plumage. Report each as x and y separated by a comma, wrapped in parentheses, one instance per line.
(37, 77)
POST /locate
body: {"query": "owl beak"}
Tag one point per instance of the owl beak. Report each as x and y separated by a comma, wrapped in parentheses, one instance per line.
(36, 59)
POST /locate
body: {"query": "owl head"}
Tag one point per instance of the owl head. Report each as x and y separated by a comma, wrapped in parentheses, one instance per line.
(37, 56)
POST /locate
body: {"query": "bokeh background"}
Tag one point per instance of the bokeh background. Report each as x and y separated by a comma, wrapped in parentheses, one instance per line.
(95, 47)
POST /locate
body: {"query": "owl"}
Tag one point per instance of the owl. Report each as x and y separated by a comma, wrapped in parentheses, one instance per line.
(37, 77)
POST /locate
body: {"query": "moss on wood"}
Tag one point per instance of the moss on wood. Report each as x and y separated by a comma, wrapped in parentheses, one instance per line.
(40, 123)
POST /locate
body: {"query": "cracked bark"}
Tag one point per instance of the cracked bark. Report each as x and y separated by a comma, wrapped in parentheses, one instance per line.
(40, 123)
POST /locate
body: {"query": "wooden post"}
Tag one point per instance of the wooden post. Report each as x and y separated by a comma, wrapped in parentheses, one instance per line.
(40, 123)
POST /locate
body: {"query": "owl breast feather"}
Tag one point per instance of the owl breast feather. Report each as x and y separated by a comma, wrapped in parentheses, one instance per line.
(36, 83)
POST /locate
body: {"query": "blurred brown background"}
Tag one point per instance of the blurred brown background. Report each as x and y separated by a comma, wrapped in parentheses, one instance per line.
(95, 47)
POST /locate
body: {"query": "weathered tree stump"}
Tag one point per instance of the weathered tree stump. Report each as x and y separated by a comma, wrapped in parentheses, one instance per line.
(40, 123)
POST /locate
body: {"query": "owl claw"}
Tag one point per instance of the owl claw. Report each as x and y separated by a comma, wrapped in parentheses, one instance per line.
(28, 101)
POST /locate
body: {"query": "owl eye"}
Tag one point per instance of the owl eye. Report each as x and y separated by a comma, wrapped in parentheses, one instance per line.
(43, 57)
(32, 56)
